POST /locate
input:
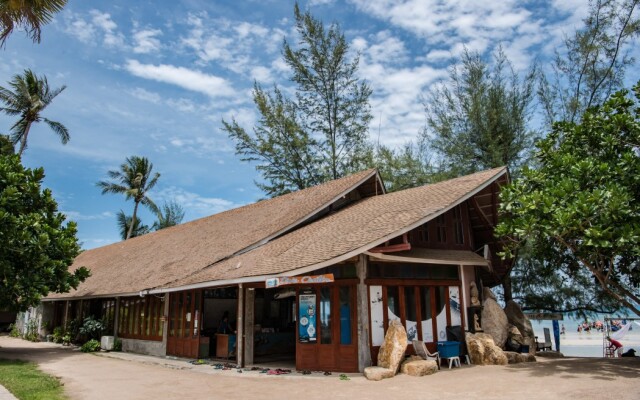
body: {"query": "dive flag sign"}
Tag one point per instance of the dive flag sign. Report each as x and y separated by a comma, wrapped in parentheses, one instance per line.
(298, 280)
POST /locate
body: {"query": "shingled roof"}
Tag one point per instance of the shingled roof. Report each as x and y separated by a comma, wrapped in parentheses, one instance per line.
(168, 255)
(343, 234)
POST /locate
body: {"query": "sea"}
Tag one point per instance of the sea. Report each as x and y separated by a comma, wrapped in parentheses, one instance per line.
(585, 344)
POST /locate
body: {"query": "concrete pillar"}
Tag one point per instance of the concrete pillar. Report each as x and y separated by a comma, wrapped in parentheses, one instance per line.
(240, 328)
(364, 349)
(249, 301)
(165, 324)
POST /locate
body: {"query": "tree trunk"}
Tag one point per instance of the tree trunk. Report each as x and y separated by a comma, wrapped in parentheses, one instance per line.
(506, 286)
(133, 220)
(23, 140)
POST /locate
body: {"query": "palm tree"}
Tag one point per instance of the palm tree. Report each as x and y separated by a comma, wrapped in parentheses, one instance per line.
(124, 224)
(134, 180)
(171, 214)
(31, 14)
(30, 96)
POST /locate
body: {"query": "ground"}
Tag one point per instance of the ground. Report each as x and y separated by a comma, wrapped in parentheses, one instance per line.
(126, 376)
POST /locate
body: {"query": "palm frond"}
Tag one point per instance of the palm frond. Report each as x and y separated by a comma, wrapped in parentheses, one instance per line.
(59, 129)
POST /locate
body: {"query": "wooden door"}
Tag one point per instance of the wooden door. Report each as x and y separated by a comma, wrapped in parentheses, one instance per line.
(185, 320)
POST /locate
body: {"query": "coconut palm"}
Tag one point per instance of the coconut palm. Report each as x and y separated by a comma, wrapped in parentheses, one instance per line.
(30, 14)
(170, 214)
(124, 224)
(134, 180)
(30, 96)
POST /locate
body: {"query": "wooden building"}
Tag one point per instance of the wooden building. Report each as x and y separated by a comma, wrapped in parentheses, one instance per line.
(313, 276)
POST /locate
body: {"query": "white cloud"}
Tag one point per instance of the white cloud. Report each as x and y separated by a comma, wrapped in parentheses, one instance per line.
(185, 78)
(145, 41)
(195, 205)
(98, 28)
(146, 95)
(77, 216)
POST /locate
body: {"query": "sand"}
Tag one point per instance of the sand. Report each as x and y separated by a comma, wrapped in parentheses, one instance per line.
(127, 376)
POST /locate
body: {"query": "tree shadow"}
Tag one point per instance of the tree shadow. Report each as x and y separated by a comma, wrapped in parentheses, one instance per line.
(41, 352)
(607, 369)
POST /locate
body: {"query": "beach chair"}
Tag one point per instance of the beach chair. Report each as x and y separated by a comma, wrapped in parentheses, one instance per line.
(422, 351)
(546, 345)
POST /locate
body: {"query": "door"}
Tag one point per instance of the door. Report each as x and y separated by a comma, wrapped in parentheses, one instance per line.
(184, 323)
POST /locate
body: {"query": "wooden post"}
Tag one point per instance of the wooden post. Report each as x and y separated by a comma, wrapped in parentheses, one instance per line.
(116, 316)
(364, 349)
(239, 328)
(66, 314)
(249, 319)
(165, 324)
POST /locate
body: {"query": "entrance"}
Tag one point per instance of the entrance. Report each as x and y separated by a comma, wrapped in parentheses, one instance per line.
(326, 337)
(184, 324)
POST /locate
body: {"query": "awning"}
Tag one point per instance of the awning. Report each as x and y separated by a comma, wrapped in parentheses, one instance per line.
(434, 256)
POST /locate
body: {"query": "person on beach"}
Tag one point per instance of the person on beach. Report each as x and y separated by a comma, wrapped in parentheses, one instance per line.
(615, 346)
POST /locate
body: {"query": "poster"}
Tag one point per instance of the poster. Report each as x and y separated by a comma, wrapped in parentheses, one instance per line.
(307, 317)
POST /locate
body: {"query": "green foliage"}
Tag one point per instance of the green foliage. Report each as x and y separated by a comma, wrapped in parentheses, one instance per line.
(25, 381)
(58, 334)
(28, 15)
(66, 339)
(134, 179)
(30, 96)
(593, 62)
(37, 247)
(117, 345)
(90, 347)
(6, 146)
(92, 328)
(322, 134)
(171, 214)
(480, 120)
(31, 333)
(124, 225)
(580, 210)
(14, 331)
(403, 168)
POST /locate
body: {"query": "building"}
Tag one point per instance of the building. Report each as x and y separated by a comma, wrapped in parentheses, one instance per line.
(313, 276)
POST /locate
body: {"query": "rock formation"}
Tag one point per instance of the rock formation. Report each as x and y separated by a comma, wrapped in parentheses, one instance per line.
(391, 353)
(494, 319)
(517, 318)
(416, 366)
(483, 350)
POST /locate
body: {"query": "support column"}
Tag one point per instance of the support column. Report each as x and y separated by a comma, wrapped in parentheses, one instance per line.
(364, 348)
(240, 328)
(66, 315)
(116, 318)
(165, 324)
(249, 320)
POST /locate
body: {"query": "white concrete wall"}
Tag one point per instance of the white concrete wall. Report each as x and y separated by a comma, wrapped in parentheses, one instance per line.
(149, 347)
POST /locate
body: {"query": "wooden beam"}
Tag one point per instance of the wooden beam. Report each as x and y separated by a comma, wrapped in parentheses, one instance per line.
(483, 216)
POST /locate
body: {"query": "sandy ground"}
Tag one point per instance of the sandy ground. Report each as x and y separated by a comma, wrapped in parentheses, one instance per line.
(125, 376)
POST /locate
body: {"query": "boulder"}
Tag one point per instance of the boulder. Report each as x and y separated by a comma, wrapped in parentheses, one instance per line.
(391, 353)
(378, 373)
(515, 340)
(516, 358)
(494, 320)
(393, 348)
(488, 294)
(419, 367)
(516, 317)
(549, 354)
(483, 350)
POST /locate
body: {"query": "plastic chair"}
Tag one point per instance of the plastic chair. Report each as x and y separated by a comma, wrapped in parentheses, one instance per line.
(422, 351)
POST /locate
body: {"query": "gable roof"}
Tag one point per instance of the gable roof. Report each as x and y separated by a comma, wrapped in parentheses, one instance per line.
(342, 235)
(154, 259)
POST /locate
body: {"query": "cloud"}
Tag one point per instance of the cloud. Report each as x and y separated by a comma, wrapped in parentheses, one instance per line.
(185, 78)
(195, 205)
(99, 27)
(145, 41)
(77, 216)
(146, 95)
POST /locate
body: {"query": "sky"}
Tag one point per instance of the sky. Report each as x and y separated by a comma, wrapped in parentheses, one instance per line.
(156, 78)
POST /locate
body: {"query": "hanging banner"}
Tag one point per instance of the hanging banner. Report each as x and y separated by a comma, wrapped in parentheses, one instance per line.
(297, 280)
(307, 317)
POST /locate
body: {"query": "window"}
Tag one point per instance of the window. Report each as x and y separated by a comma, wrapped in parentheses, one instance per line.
(141, 318)
(458, 225)
(325, 315)
(441, 228)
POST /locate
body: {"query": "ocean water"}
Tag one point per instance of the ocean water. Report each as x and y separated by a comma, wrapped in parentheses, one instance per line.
(585, 344)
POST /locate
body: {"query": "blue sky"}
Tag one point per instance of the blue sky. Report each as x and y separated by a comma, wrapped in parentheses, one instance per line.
(155, 79)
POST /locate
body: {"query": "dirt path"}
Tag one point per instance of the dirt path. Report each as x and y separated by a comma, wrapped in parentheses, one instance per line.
(87, 376)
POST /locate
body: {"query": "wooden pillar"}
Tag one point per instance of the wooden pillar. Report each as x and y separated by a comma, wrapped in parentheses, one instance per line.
(66, 314)
(364, 349)
(240, 328)
(249, 301)
(165, 324)
(116, 316)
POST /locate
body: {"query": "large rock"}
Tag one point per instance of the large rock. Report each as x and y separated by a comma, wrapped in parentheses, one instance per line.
(378, 373)
(516, 358)
(488, 294)
(483, 350)
(516, 317)
(515, 340)
(494, 320)
(416, 366)
(392, 350)
(391, 353)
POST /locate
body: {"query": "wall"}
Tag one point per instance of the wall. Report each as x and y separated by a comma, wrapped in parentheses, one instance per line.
(149, 347)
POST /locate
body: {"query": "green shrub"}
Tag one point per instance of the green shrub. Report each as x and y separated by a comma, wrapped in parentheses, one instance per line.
(14, 331)
(58, 333)
(91, 346)
(32, 331)
(66, 339)
(117, 345)
(92, 328)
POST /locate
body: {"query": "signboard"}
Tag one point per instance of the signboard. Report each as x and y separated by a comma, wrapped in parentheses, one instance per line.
(307, 317)
(545, 316)
(298, 280)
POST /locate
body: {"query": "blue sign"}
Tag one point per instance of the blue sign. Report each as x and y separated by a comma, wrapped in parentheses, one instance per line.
(307, 328)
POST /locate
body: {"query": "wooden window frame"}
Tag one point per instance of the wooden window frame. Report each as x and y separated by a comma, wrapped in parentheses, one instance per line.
(133, 325)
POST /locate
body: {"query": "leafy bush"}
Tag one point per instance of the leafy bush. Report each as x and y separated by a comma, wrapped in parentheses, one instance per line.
(73, 330)
(58, 333)
(91, 346)
(92, 328)
(14, 331)
(66, 339)
(117, 345)
(32, 331)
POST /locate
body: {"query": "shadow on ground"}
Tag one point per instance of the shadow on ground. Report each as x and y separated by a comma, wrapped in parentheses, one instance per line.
(570, 368)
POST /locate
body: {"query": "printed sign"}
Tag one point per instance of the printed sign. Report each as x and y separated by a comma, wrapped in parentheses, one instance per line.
(545, 316)
(307, 317)
(297, 280)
